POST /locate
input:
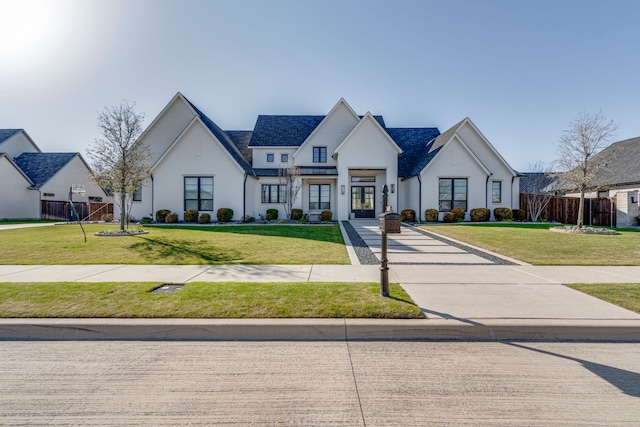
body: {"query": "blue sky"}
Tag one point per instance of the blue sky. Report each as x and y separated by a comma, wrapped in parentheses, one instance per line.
(521, 70)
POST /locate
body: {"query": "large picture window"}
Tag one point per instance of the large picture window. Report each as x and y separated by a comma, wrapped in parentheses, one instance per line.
(452, 194)
(496, 191)
(319, 197)
(198, 193)
(274, 193)
(319, 154)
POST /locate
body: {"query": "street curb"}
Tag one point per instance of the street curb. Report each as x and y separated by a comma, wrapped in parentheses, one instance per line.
(319, 330)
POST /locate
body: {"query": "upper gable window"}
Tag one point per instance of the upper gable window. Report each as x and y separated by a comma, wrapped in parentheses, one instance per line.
(284, 158)
(319, 154)
(270, 158)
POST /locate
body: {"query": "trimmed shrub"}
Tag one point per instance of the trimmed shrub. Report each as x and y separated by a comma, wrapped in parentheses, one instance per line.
(296, 214)
(325, 216)
(408, 215)
(204, 218)
(146, 220)
(171, 218)
(480, 214)
(431, 215)
(519, 215)
(107, 217)
(272, 214)
(449, 217)
(162, 214)
(224, 214)
(638, 219)
(459, 213)
(191, 215)
(503, 214)
(302, 220)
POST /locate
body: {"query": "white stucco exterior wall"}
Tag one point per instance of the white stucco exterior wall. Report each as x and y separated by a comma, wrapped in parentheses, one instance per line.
(18, 202)
(198, 153)
(260, 157)
(17, 144)
(74, 172)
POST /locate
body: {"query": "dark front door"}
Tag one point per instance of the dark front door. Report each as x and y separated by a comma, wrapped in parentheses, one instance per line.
(363, 201)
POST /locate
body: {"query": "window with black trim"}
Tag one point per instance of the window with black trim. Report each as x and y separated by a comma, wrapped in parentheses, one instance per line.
(319, 196)
(274, 193)
(270, 158)
(137, 193)
(319, 154)
(496, 192)
(198, 193)
(284, 158)
(452, 193)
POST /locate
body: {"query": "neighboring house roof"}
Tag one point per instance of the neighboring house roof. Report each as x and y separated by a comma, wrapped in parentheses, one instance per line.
(224, 139)
(415, 145)
(283, 131)
(11, 161)
(540, 180)
(7, 133)
(41, 167)
(623, 162)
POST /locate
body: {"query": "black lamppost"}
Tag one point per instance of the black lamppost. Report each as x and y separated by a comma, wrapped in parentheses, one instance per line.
(384, 267)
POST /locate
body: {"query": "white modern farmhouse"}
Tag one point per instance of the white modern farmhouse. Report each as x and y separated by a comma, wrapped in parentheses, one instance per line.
(344, 160)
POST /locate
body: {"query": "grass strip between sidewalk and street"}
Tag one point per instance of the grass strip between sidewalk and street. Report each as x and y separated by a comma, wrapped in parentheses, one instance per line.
(537, 245)
(176, 245)
(625, 295)
(205, 300)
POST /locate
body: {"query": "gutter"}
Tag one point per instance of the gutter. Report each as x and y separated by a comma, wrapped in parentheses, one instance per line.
(419, 198)
(244, 197)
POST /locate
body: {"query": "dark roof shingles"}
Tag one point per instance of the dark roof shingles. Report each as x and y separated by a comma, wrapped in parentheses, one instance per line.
(283, 131)
(7, 133)
(41, 167)
(415, 146)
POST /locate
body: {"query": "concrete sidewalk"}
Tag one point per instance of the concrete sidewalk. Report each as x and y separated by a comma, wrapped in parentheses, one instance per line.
(464, 302)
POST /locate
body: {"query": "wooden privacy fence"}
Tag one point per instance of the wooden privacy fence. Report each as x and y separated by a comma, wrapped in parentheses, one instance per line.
(87, 211)
(597, 212)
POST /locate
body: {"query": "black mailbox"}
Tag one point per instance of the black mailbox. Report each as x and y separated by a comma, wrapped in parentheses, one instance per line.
(390, 222)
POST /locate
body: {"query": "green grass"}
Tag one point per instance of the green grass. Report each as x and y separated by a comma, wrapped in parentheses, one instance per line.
(626, 295)
(254, 244)
(205, 300)
(535, 244)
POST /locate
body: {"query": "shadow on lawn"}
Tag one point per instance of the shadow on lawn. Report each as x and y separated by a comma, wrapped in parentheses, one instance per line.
(321, 233)
(183, 250)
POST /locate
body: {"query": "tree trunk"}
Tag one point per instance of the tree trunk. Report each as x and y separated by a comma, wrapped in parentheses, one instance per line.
(123, 209)
(580, 221)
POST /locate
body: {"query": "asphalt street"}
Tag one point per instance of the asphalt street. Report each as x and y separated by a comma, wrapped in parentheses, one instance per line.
(109, 383)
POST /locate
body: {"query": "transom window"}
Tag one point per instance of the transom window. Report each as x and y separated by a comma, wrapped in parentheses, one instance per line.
(363, 179)
(319, 154)
(452, 194)
(496, 191)
(319, 197)
(274, 193)
(198, 193)
(270, 158)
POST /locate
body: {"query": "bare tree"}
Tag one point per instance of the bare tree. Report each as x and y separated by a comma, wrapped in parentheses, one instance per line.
(534, 188)
(119, 159)
(586, 136)
(289, 177)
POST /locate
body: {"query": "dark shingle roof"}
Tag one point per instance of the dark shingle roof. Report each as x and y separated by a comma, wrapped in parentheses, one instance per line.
(7, 133)
(622, 159)
(40, 167)
(241, 139)
(283, 131)
(224, 139)
(415, 146)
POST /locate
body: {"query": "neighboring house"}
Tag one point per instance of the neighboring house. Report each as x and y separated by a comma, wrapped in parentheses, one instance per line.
(344, 160)
(620, 179)
(35, 182)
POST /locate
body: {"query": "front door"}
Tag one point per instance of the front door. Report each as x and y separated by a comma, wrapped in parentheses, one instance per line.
(363, 201)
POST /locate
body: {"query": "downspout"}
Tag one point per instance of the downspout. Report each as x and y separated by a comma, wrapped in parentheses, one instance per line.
(152, 198)
(512, 178)
(244, 197)
(419, 198)
(486, 191)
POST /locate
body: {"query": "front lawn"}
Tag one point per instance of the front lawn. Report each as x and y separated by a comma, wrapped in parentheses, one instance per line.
(626, 295)
(244, 244)
(535, 244)
(205, 300)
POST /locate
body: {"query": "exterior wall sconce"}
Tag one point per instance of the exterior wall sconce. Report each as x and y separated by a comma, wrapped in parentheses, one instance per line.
(343, 189)
(393, 188)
